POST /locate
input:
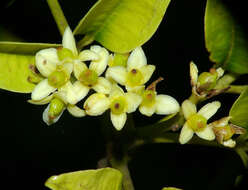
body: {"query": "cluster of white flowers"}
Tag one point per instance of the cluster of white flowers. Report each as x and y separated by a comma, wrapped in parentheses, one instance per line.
(67, 81)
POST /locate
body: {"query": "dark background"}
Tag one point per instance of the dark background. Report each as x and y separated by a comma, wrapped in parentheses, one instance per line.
(31, 152)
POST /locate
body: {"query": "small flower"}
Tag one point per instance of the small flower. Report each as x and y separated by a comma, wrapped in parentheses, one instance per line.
(159, 104)
(118, 102)
(203, 85)
(137, 72)
(196, 122)
(224, 131)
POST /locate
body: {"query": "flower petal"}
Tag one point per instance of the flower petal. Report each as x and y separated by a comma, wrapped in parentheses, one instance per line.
(68, 41)
(117, 73)
(147, 72)
(188, 108)
(118, 120)
(102, 86)
(133, 101)
(207, 134)
(193, 73)
(47, 119)
(209, 109)
(43, 101)
(166, 105)
(42, 90)
(147, 110)
(186, 134)
(77, 92)
(229, 143)
(137, 59)
(116, 91)
(96, 104)
(75, 111)
(99, 65)
(79, 67)
(46, 61)
(88, 55)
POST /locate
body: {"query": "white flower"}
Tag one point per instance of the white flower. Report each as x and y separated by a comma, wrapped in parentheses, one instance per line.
(196, 122)
(137, 72)
(118, 102)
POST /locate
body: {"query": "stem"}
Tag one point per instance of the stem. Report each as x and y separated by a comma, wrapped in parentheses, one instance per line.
(225, 81)
(195, 99)
(236, 89)
(58, 15)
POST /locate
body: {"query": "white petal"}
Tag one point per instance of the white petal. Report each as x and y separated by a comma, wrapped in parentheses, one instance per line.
(99, 65)
(166, 105)
(68, 68)
(42, 90)
(137, 59)
(118, 120)
(207, 134)
(116, 91)
(117, 73)
(188, 108)
(75, 111)
(46, 61)
(133, 101)
(229, 143)
(77, 92)
(147, 72)
(68, 41)
(220, 72)
(88, 55)
(96, 104)
(209, 109)
(193, 73)
(147, 110)
(137, 89)
(47, 119)
(102, 86)
(186, 134)
(43, 101)
(79, 67)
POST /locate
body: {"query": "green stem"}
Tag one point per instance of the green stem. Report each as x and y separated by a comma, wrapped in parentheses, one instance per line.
(58, 15)
(236, 89)
(226, 80)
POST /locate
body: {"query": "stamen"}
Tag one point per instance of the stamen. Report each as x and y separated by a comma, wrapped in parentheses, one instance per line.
(154, 84)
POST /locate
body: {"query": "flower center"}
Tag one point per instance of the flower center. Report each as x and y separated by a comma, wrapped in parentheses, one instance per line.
(88, 77)
(134, 78)
(56, 107)
(118, 105)
(148, 98)
(65, 53)
(57, 78)
(197, 122)
(207, 80)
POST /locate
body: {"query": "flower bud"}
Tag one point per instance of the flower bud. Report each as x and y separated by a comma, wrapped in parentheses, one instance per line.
(56, 107)
(207, 81)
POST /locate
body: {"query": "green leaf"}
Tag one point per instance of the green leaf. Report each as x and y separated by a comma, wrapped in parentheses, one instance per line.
(23, 47)
(16, 72)
(225, 39)
(239, 110)
(122, 25)
(100, 179)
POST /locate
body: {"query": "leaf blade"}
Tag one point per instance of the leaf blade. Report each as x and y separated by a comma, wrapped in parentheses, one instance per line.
(122, 25)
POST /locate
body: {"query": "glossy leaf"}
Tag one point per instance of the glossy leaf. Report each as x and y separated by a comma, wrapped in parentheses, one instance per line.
(122, 25)
(225, 39)
(239, 110)
(100, 179)
(24, 48)
(16, 72)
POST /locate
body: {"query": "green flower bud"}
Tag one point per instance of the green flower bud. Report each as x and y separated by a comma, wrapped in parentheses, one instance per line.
(208, 80)
(88, 77)
(197, 122)
(57, 78)
(118, 60)
(134, 78)
(118, 105)
(56, 107)
(148, 98)
(65, 53)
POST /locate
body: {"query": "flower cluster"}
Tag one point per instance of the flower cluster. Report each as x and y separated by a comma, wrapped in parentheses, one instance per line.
(67, 80)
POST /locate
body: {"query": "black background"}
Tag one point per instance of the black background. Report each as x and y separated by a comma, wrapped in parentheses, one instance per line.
(30, 151)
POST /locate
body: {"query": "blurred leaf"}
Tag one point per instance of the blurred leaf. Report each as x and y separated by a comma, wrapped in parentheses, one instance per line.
(101, 179)
(15, 71)
(239, 110)
(122, 25)
(243, 155)
(23, 47)
(225, 39)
